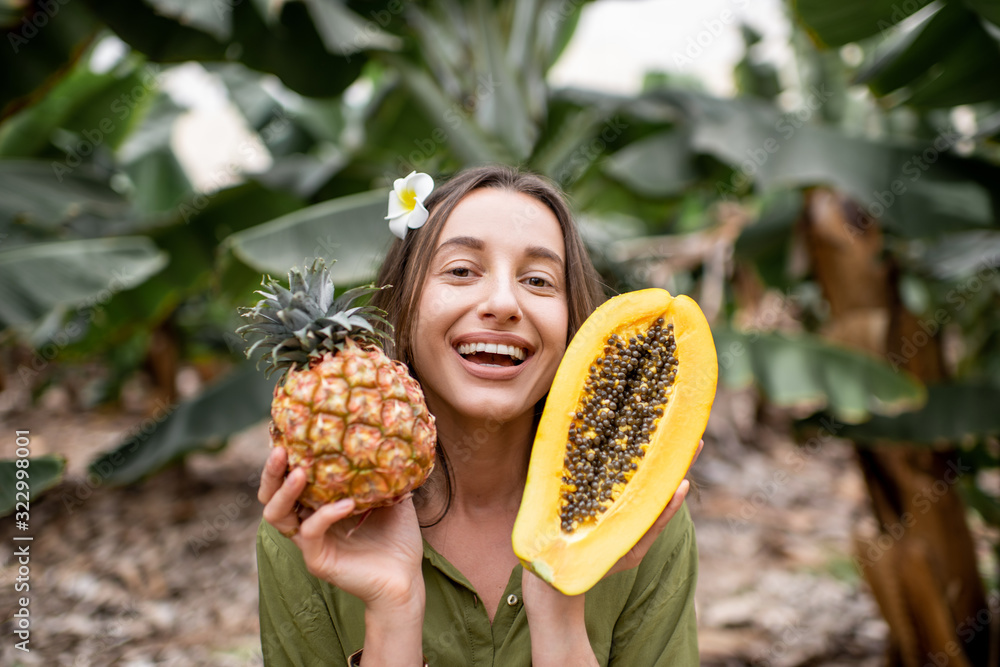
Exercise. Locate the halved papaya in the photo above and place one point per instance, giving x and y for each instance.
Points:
(621, 425)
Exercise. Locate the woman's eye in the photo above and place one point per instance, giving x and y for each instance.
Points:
(460, 272)
(535, 281)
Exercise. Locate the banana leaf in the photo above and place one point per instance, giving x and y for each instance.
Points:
(806, 373)
(37, 45)
(43, 473)
(920, 58)
(35, 193)
(350, 230)
(286, 42)
(953, 414)
(240, 399)
(839, 23)
(38, 278)
(660, 166)
(917, 189)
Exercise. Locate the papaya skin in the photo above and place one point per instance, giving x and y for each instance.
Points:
(573, 562)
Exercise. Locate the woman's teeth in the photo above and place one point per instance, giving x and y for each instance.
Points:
(512, 351)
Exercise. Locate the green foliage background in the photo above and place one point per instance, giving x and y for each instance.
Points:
(105, 239)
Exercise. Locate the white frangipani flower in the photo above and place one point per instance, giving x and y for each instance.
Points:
(406, 203)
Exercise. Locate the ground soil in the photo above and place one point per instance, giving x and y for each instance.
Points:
(163, 572)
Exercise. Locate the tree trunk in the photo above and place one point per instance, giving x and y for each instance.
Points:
(921, 564)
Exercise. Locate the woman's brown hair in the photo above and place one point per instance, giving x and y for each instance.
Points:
(407, 262)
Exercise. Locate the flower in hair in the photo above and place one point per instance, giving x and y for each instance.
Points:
(406, 203)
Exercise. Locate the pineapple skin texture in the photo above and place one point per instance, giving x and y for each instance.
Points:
(357, 423)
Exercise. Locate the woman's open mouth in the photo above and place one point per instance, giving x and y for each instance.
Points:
(492, 354)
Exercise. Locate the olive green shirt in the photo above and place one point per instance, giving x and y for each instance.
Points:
(638, 618)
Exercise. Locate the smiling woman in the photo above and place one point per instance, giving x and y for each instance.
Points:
(489, 284)
(488, 292)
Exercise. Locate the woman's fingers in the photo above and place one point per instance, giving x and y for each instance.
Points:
(675, 503)
(312, 533)
(666, 515)
(273, 474)
(315, 526)
(697, 453)
(636, 553)
(280, 509)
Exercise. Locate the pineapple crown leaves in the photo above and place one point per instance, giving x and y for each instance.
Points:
(291, 325)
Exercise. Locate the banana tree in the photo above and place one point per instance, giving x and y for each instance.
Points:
(904, 263)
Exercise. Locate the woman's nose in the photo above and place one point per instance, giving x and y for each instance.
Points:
(500, 302)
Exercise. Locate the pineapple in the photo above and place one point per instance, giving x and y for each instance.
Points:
(354, 419)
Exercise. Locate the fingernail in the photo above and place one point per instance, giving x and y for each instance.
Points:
(343, 504)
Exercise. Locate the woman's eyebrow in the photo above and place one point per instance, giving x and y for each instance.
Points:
(541, 252)
(533, 252)
(466, 241)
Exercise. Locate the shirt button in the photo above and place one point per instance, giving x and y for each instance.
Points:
(511, 600)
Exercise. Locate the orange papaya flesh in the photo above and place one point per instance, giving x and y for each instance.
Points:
(621, 425)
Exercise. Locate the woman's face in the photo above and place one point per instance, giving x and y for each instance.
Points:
(492, 319)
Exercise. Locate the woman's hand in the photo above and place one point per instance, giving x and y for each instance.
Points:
(556, 621)
(377, 561)
(556, 624)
